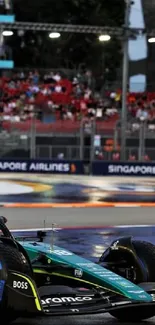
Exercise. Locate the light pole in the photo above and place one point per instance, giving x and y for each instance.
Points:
(125, 80)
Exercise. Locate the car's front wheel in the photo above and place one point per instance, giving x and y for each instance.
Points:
(146, 254)
(135, 315)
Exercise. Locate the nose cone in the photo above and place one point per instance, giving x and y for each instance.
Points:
(133, 291)
(138, 295)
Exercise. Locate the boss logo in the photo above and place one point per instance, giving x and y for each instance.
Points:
(20, 285)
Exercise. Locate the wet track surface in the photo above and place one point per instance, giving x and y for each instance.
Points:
(89, 320)
(90, 243)
(80, 320)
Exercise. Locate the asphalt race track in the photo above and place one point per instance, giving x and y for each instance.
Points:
(34, 218)
(81, 320)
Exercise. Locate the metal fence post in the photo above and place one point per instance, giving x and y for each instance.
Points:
(81, 140)
(92, 149)
(125, 80)
(115, 138)
(142, 140)
(33, 139)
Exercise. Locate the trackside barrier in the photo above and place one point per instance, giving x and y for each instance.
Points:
(42, 166)
(100, 168)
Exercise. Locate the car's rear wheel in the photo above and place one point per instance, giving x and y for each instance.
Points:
(14, 260)
(146, 253)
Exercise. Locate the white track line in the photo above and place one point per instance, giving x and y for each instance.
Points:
(35, 229)
(95, 227)
(134, 226)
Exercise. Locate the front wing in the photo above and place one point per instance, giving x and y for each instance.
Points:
(24, 298)
(87, 303)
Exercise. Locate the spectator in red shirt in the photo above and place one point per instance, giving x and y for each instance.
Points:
(146, 158)
(132, 158)
(116, 156)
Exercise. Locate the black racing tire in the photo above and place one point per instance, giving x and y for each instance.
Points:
(146, 252)
(14, 260)
(133, 315)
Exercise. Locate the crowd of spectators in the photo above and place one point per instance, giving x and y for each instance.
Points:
(115, 156)
(142, 110)
(51, 97)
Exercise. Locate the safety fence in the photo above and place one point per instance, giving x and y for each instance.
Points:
(86, 140)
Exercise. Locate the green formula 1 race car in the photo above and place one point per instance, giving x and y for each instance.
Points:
(41, 279)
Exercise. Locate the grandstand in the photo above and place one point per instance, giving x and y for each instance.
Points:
(56, 113)
(54, 106)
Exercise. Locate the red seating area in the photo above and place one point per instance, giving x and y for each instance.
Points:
(57, 127)
(59, 104)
